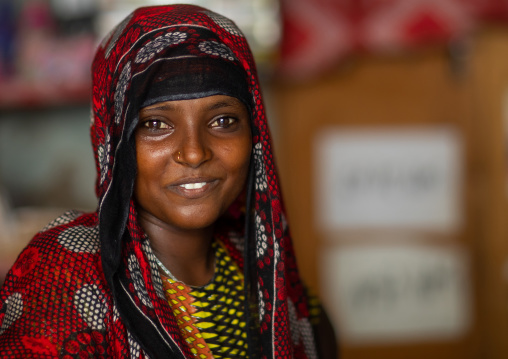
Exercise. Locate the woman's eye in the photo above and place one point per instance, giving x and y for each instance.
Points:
(223, 122)
(155, 125)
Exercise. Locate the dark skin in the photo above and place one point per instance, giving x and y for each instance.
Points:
(193, 158)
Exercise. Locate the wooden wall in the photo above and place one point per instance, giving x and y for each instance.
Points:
(464, 90)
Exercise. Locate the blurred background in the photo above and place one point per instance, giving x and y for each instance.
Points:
(389, 120)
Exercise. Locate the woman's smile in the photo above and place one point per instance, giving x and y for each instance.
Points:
(194, 188)
(193, 158)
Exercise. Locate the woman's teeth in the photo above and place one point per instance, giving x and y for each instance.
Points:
(193, 185)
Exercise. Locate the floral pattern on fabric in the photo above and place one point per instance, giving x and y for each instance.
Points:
(120, 91)
(54, 300)
(216, 49)
(155, 46)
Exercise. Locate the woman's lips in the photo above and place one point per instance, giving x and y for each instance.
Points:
(193, 185)
(194, 188)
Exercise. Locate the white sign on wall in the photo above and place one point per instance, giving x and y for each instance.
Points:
(397, 178)
(387, 294)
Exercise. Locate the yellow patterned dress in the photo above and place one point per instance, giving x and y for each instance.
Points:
(211, 317)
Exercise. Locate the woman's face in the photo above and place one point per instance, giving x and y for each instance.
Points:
(193, 158)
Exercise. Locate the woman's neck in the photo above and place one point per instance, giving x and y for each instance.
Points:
(187, 254)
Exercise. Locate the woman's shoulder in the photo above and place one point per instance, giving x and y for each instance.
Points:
(56, 281)
(75, 232)
(69, 245)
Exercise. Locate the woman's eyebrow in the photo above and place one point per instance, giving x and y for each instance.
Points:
(214, 106)
(162, 107)
(222, 104)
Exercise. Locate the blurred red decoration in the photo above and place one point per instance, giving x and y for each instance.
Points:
(317, 33)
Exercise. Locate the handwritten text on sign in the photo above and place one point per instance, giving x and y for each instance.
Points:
(407, 179)
(393, 293)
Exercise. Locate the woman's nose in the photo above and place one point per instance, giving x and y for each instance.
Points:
(193, 149)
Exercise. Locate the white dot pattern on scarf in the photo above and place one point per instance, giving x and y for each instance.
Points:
(65, 218)
(134, 347)
(262, 239)
(13, 312)
(224, 23)
(138, 281)
(261, 180)
(90, 303)
(80, 239)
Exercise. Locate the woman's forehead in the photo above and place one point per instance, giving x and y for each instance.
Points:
(209, 102)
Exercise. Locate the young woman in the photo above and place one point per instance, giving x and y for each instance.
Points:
(188, 254)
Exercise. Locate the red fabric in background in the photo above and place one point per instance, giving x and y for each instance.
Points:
(394, 24)
(318, 33)
(315, 34)
(491, 10)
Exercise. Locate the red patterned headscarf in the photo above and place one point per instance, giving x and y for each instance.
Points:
(124, 299)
